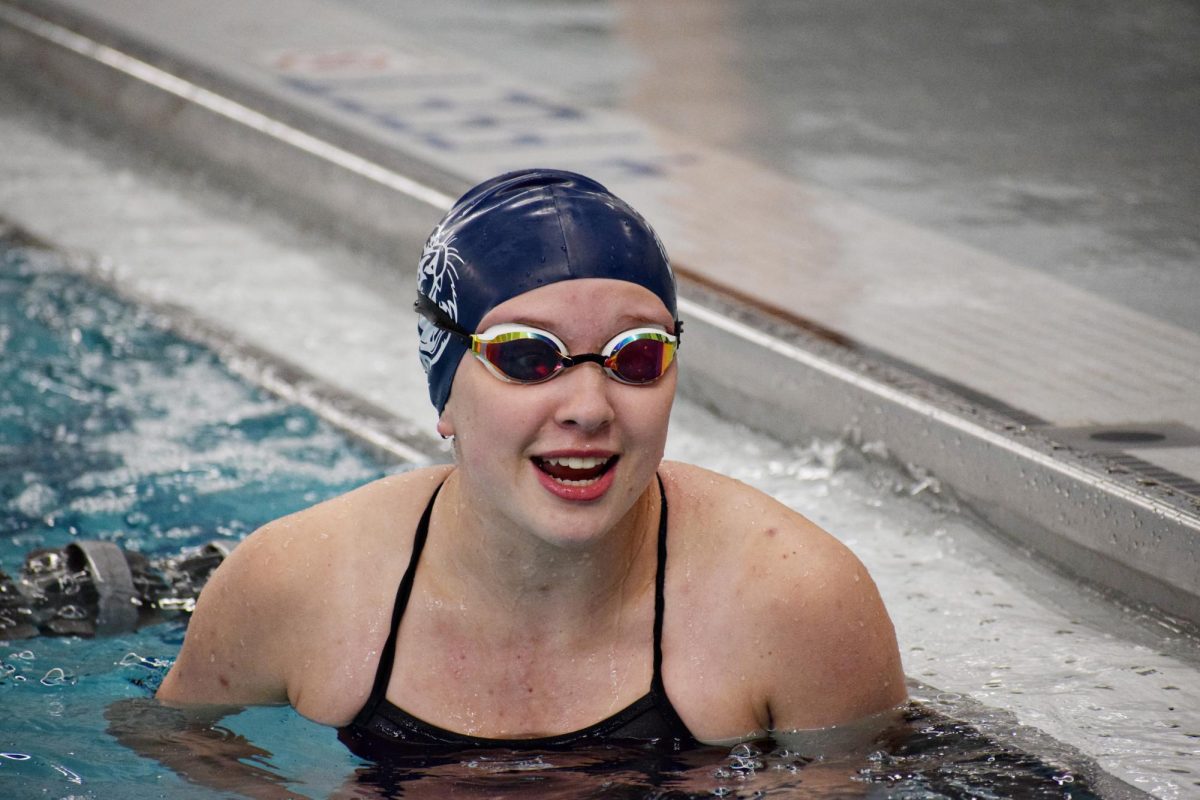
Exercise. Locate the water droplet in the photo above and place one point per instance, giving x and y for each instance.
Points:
(56, 676)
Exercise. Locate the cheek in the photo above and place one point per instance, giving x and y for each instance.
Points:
(663, 417)
(647, 415)
(492, 417)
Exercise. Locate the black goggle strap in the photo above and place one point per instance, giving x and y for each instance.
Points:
(433, 312)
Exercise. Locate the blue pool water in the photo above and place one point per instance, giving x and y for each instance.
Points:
(114, 428)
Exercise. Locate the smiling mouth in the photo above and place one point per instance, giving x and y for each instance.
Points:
(575, 470)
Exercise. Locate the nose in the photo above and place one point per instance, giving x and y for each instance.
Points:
(585, 403)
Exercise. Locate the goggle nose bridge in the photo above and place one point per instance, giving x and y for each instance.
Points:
(583, 358)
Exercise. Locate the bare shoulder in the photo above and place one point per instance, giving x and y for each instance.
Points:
(789, 598)
(335, 538)
(736, 521)
(301, 587)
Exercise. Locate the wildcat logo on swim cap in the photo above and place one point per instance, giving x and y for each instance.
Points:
(437, 277)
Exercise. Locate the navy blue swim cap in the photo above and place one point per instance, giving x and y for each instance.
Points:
(517, 232)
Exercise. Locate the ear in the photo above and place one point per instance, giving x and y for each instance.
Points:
(445, 424)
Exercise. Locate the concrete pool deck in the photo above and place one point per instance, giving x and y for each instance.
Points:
(1069, 420)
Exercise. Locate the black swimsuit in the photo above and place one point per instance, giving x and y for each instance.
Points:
(381, 729)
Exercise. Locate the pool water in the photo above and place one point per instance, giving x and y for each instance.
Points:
(114, 428)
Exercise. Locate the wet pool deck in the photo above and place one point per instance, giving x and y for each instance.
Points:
(1069, 419)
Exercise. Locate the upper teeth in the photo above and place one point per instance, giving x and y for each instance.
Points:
(574, 462)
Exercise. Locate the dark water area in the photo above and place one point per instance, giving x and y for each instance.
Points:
(927, 755)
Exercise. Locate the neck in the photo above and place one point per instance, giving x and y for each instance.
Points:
(491, 569)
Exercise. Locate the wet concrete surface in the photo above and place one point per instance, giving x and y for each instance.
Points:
(1056, 135)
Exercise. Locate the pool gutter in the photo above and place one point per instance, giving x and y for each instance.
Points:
(1075, 508)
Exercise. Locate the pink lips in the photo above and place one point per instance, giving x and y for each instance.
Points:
(573, 493)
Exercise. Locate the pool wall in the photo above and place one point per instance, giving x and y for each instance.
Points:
(1109, 526)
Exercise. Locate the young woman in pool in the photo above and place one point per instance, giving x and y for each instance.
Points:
(559, 583)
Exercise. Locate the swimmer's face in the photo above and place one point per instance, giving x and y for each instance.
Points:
(566, 458)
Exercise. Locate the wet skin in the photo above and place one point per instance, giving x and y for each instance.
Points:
(502, 430)
(532, 610)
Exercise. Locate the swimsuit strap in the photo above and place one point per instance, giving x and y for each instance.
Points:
(383, 673)
(660, 584)
(387, 657)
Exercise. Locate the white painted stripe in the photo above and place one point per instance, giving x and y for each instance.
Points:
(916, 405)
(230, 109)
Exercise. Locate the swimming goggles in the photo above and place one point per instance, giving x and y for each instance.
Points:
(521, 354)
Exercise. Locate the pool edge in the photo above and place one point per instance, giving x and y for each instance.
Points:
(1072, 507)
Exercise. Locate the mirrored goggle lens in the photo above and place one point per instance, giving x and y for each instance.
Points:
(531, 356)
(522, 356)
(641, 357)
